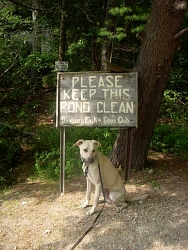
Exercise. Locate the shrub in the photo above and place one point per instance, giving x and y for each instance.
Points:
(47, 156)
(47, 165)
(174, 107)
(171, 135)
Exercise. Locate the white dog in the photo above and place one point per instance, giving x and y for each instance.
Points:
(114, 188)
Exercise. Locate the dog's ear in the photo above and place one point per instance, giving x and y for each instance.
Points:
(97, 143)
(78, 143)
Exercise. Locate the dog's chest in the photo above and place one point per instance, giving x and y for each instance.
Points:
(85, 169)
(92, 174)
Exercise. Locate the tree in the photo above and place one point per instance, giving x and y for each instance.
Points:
(62, 39)
(36, 44)
(159, 41)
(90, 30)
(110, 23)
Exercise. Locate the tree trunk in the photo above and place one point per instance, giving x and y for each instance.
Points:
(62, 42)
(110, 24)
(95, 54)
(153, 66)
(125, 42)
(36, 44)
(117, 155)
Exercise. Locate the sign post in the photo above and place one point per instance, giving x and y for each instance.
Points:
(61, 66)
(96, 99)
(62, 159)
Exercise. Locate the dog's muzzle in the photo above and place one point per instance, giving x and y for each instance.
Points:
(88, 161)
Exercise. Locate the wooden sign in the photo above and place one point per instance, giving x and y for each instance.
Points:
(61, 66)
(96, 99)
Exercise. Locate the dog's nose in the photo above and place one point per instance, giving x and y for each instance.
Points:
(90, 160)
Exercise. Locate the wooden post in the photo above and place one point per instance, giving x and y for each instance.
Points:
(62, 160)
(128, 156)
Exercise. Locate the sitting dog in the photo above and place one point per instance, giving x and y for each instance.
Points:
(113, 186)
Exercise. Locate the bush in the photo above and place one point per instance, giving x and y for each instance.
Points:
(47, 165)
(174, 107)
(10, 146)
(167, 138)
(171, 135)
(47, 138)
(161, 130)
(47, 157)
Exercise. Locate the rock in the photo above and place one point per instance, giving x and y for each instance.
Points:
(47, 231)
(141, 202)
(151, 171)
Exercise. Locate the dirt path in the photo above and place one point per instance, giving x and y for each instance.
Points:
(34, 216)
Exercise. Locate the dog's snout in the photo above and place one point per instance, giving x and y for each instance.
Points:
(90, 160)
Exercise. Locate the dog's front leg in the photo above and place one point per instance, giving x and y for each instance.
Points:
(88, 194)
(96, 199)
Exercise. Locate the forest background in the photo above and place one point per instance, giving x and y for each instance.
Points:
(34, 36)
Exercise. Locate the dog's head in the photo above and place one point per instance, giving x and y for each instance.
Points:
(88, 151)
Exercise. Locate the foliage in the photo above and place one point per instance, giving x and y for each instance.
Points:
(9, 145)
(174, 107)
(47, 164)
(10, 148)
(130, 21)
(47, 138)
(49, 81)
(171, 130)
(179, 74)
(20, 98)
(171, 139)
(172, 135)
(41, 61)
(47, 150)
(155, 184)
(135, 14)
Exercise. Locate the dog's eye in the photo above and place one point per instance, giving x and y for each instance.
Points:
(85, 150)
(93, 151)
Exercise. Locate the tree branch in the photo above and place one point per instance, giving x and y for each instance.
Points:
(114, 67)
(179, 34)
(10, 65)
(85, 12)
(29, 6)
(180, 5)
(18, 129)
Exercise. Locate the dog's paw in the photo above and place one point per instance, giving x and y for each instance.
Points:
(90, 212)
(84, 205)
(121, 207)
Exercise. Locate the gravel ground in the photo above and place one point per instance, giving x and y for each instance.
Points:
(34, 215)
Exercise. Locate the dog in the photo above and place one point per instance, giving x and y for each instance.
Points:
(113, 187)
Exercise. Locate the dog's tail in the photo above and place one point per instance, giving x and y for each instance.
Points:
(137, 198)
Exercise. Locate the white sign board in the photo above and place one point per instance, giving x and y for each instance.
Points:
(61, 66)
(96, 99)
